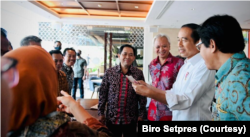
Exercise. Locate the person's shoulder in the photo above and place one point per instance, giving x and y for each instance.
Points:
(242, 70)
(81, 129)
(135, 69)
(178, 60)
(243, 64)
(62, 73)
(113, 68)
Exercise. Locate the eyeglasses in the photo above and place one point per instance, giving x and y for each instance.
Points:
(9, 72)
(198, 46)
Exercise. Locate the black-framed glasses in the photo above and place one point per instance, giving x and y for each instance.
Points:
(198, 46)
(9, 71)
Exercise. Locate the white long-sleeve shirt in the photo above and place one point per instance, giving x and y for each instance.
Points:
(191, 95)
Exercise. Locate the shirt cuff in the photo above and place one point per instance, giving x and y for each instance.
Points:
(171, 99)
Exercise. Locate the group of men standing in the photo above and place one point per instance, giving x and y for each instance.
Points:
(71, 69)
(211, 84)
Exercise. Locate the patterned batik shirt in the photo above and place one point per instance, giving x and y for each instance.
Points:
(163, 77)
(112, 94)
(63, 83)
(70, 75)
(232, 91)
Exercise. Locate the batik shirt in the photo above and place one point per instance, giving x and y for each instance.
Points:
(70, 75)
(59, 124)
(112, 94)
(163, 77)
(232, 95)
(63, 83)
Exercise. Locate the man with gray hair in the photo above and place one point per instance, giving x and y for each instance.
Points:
(163, 70)
(31, 40)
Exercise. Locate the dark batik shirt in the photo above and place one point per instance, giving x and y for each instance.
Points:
(70, 75)
(63, 83)
(111, 93)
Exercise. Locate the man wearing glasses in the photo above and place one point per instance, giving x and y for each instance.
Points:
(222, 46)
(191, 95)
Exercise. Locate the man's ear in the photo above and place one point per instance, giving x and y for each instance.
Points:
(213, 46)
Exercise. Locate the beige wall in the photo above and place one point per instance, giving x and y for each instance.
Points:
(172, 34)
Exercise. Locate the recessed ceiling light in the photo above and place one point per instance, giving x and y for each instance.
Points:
(136, 7)
(99, 5)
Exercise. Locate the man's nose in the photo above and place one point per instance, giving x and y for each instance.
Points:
(180, 44)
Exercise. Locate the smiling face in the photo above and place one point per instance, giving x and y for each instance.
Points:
(162, 47)
(58, 59)
(69, 58)
(127, 57)
(186, 45)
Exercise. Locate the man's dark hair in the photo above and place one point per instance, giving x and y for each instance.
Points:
(194, 28)
(10, 45)
(26, 41)
(225, 31)
(3, 32)
(66, 49)
(55, 52)
(129, 46)
(58, 41)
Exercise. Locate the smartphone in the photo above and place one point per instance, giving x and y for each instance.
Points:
(130, 78)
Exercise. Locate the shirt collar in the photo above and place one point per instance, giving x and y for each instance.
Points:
(66, 66)
(229, 65)
(193, 60)
(119, 69)
(169, 59)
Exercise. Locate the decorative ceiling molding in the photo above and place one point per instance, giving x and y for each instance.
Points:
(164, 9)
(116, 8)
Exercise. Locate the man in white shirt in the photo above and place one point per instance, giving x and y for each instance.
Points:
(191, 95)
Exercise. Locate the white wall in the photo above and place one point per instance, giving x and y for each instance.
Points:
(19, 22)
(149, 53)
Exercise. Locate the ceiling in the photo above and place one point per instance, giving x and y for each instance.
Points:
(158, 13)
(110, 8)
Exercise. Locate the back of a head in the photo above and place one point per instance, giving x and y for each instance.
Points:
(55, 52)
(31, 40)
(129, 46)
(194, 28)
(35, 94)
(3, 32)
(4, 42)
(225, 31)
